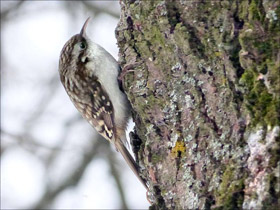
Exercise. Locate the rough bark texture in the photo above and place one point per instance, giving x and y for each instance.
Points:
(203, 81)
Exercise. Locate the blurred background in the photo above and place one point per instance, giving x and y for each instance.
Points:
(51, 157)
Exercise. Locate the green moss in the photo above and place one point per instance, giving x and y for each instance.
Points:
(151, 44)
(143, 48)
(273, 76)
(275, 154)
(156, 158)
(261, 69)
(243, 9)
(264, 47)
(194, 44)
(256, 10)
(248, 77)
(273, 200)
(155, 36)
(230, 194)
(263, 106)
(180, 34)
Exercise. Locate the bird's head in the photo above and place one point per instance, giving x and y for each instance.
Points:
(75, 53)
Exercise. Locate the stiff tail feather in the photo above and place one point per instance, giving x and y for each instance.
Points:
(130, 161)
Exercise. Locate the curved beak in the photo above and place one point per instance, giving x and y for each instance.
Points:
(83, 31)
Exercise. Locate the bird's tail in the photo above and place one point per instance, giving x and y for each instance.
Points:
(130, 161)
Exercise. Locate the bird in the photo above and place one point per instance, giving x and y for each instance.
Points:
(89, 75)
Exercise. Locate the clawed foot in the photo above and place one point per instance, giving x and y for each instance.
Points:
(128, 68)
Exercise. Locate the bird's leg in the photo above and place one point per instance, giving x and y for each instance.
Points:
(127, 68)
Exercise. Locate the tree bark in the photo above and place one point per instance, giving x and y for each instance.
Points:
(203, 81)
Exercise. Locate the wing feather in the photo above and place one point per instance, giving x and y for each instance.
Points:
(94, 104)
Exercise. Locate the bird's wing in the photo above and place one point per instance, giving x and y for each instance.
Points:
(102, 112)
(94, 104)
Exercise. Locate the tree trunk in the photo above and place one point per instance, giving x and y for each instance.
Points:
(203, 81)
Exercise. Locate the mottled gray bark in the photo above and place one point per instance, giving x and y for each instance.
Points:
(203, 81)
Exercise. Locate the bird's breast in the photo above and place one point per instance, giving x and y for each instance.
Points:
(107, 73)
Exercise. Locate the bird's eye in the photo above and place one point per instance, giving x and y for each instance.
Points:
(82, 45)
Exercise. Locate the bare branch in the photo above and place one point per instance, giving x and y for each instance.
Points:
(13, 9)
(74, 178)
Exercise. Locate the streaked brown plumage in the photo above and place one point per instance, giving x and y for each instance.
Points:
(89, 75)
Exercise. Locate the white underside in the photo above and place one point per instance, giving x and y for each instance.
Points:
(105, 67)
